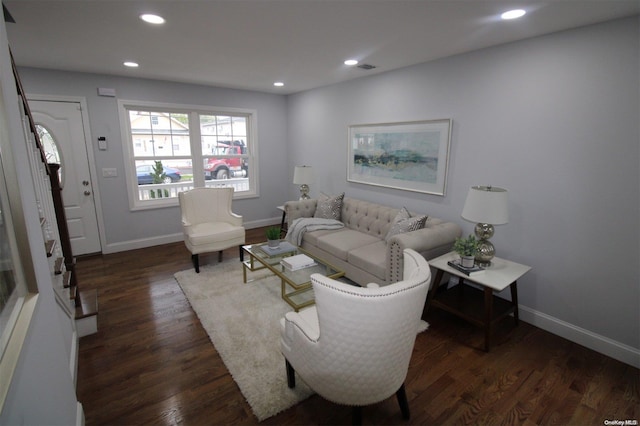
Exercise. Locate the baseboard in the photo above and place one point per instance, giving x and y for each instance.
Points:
(174, 238)
(79, 414)
(141, 243)
(581, 336)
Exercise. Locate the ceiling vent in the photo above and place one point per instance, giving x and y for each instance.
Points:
(366, 66)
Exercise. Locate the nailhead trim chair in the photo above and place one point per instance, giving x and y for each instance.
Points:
(208, 223)
(354, 346)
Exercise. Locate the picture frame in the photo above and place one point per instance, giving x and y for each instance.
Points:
(411, 156)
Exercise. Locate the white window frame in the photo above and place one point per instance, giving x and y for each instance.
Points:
(196, 157)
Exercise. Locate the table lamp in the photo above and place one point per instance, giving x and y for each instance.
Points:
(486, 206)
(303, 176)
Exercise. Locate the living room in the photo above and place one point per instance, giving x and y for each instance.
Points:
(554, 119)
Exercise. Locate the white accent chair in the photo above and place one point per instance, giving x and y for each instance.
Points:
(354, 346)
(208, 222)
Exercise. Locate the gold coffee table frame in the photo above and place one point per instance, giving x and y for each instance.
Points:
(299, 281)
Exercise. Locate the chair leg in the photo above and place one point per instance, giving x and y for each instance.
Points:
(401, 395)
(291, 375)
(241, 254)
(220, 256)
(196, 262)
(356, 418)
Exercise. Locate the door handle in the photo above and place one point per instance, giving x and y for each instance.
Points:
(85, 182)
(87, 193)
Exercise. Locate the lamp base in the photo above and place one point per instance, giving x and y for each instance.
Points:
(304, 192)
(486, 250)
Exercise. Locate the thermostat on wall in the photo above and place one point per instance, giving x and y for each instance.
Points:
(102, 143)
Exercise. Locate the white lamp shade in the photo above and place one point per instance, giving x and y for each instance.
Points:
(303, 175)
(486, 204)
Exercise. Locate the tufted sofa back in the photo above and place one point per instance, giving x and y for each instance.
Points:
(370, 218)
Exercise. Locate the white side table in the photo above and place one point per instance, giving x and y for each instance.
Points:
(465, 301)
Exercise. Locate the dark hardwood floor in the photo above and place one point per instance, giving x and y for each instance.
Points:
(152, 363)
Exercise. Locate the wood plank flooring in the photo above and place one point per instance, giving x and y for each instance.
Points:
(152, 363)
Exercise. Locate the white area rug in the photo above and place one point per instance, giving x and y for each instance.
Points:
(242, 321)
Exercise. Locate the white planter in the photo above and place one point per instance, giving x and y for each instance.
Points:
(273, 243)
(467, 261)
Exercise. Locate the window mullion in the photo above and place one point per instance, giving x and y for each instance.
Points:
(195, 138)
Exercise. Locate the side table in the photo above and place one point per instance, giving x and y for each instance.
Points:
(465, 301)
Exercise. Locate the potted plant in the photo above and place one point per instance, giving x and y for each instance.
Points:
(467, 248)
(273, 236)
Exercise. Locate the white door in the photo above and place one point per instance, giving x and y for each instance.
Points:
(61, 123)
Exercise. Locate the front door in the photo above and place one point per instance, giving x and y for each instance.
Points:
(62, 132)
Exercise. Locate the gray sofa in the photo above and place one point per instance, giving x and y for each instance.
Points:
(360, 248)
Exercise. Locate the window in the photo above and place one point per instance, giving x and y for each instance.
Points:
(174, 148)
(51, 150)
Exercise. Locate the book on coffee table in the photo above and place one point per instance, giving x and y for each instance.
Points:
(284, 247)
(299, 261)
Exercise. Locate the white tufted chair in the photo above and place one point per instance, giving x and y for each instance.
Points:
(208, 222)
(354, 346)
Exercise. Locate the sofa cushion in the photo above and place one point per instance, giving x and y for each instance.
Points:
(371, 258)
(403, 214)
(311, 237)
(339, 243)
(329, 207)
(404, 222)
(214, 232)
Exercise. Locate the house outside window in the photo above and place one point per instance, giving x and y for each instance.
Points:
(173, 148)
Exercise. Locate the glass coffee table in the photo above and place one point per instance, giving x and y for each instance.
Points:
(296, 285)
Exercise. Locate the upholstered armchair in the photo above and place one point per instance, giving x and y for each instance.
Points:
(208, 223)
(354, 346)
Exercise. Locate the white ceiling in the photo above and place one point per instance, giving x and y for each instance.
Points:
(249, 44)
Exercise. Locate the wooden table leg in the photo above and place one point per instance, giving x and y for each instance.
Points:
(283, 227)
(488, 315)
(432, 292)
(514, 300)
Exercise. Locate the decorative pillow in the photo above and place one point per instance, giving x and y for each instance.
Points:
(404, 222)
(329, 207)
(402, 215)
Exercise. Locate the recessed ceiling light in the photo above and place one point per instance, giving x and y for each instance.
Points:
(278, 84)
(131, 64)
(351, 62)
(152, 19)
(513, 14)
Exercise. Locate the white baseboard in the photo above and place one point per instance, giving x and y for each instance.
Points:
(79, 414)
(174, 238)
(581, 336)
(142, 243)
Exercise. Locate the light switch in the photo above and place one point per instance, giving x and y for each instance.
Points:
(109, 172)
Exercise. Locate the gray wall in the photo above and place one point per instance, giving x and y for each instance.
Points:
(553, 119)
(124, 228)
